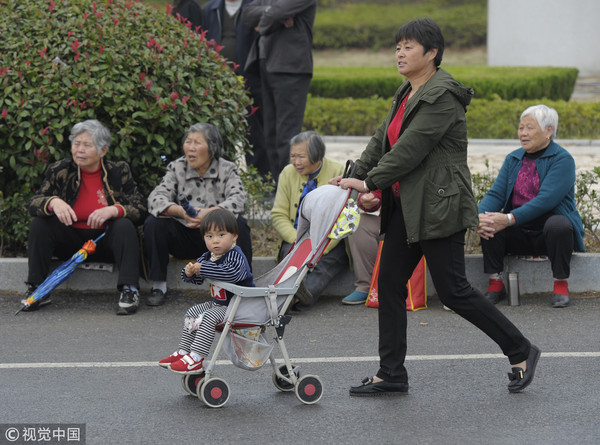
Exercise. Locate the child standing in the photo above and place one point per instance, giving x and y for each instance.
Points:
(223, 261)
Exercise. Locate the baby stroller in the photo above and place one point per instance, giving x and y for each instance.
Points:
(254, 309)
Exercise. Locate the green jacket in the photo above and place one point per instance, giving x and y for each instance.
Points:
(429, 160)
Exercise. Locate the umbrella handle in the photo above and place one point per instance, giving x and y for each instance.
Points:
(100, 237)
(90, 246)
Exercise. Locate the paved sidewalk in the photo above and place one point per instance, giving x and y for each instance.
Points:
(585, 152)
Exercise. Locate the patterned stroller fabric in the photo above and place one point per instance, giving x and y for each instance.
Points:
(347, 222)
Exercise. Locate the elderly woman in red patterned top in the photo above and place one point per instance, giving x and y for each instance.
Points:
(80, 197)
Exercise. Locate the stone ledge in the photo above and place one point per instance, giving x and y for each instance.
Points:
(533, 276)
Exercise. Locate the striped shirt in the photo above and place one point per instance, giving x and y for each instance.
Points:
(232, 267)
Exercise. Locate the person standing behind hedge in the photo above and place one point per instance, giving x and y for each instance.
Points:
(530, 209)
(78, 199)
(207, 182)
(223, 24)
(284, 54)
(190, 10)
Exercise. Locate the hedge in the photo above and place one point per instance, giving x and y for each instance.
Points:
(487, 119)
(489, 82)
(373, 26)
(136, 69)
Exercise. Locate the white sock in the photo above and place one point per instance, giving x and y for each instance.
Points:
(496, 276)
(160, 285)
(195, 356)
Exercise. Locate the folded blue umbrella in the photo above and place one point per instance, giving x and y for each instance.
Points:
(62, 273)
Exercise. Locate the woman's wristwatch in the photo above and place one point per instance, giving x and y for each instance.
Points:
(511, 219)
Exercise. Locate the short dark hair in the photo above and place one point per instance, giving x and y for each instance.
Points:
(219, 219)
(425, 31)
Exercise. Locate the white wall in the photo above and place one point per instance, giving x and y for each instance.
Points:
(562, 33)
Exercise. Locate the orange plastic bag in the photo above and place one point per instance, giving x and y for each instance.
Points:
(417, 285)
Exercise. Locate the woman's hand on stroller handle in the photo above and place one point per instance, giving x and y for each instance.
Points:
(349, 183)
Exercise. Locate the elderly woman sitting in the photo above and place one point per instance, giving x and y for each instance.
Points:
(78, 199)
(308, 169)
(208, 182)
(531, 208)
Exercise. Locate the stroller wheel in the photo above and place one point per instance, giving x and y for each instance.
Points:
(190, 383)
(284, 385)
(213, 392)
(309, 389)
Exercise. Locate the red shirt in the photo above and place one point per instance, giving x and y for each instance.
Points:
(393, 134)
(91, 197)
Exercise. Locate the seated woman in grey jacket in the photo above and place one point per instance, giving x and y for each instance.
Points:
(207, 182)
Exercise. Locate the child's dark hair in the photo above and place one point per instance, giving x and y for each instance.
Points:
(219, 219)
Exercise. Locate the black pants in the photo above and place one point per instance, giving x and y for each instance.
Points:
(259, 157)
(164, 236)
(49, 237)
(284, 101)
(554, 239)
(446, 262)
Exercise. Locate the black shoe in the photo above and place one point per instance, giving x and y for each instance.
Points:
(520, 379)
(560, 300)
(44, 301)
(495, 297)
(156, 298)
(128, 302)
(383, 388)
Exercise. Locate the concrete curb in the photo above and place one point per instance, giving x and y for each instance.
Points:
(534, 276)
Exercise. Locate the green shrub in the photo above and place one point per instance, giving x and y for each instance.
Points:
(488, 82)
(133, 67)
(373, 26)
(498, 119)
(352, 117)
(588, 202)
(487, 119)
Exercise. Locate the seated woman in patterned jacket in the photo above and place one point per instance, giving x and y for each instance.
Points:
(79, 198)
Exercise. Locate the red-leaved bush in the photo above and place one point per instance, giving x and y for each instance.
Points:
(137, 69)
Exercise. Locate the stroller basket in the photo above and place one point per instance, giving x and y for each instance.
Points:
(247, 348)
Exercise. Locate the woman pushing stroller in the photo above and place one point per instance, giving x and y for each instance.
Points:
(224, 261)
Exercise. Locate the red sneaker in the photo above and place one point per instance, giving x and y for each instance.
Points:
(187, 365)
(166, 362)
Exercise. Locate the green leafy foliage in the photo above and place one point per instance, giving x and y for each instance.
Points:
(588, 203)
(488, 82)
(373, 26)
(486, 119)
(133, 67)
(14, 222)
